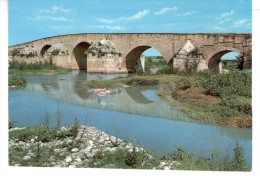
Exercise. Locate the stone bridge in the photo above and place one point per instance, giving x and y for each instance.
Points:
(72, 51)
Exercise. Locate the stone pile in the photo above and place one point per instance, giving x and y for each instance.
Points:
(75, 152)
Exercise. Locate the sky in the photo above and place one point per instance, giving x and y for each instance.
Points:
(34, 19)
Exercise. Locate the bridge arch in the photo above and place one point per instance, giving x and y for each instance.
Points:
(79, 54)
(44, 49)
(214, 58)
(133, 55)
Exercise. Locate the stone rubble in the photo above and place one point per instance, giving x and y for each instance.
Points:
(77, 152)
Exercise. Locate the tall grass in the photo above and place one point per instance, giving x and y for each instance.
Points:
(32, 66)
(234, 83)
(16, 81)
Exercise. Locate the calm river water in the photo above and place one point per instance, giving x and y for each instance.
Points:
(135, 114)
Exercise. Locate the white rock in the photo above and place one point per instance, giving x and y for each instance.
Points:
(56, 150)
(68, 159)
(90, 155)
(72, 166)
(74, 150)
(166, 168)
(26, 158)
(78, 159)
(86, 150)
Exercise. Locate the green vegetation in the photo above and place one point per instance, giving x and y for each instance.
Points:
(223, 99)
(190, 161)
(157, 63)
(124, 159)
(16, 81)
(22, 68)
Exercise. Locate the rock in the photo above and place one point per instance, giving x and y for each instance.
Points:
(68, 159)
(166, 168)
(26, 158)
(72, 166)
(57, 150)
(162, 164)
(31, 154)
(90, 155)
(21, 143)
(74, 150)
(86, 150)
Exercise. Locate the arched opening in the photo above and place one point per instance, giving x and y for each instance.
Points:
(44, 49)
(226, 60)
(231, 61)
(79, 53)
(142, 58)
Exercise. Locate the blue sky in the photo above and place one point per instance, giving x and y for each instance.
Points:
(31, 19)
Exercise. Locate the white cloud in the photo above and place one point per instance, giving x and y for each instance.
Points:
(240, 23)
(55, 9)
(113, 28)
(63, 27)
(186, 14)
(139, 15)
(165, 10)
(225, 20)
(225, 15)
(51, 18)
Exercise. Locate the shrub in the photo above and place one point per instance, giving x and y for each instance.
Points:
(10, 124)
(16, 81)
(55, 52)
(183, 84)
(122, 158)
(238, 103)
(239, 163)
(234, 83)
(166, 69)
(31, 66)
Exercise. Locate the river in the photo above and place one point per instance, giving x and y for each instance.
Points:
(130, 113)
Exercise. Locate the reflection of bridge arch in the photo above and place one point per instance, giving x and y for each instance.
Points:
(79, 54)
(214, 58)
(136, 95)
(133, 55)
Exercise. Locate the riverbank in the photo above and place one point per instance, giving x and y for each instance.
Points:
(16, 68)
(77, 146)
(58, 70)
(87, 147)
(190, 94)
